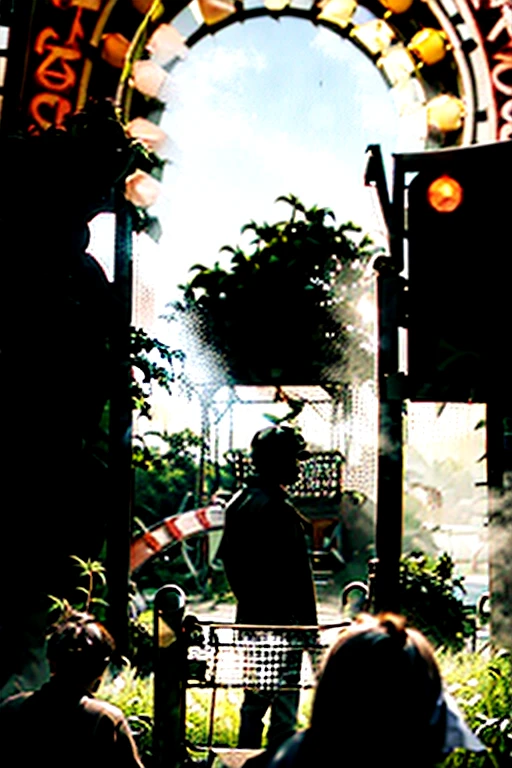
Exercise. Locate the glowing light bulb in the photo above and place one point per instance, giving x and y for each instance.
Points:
(445, 113)
(141, 189)
(276, 5)
(429, 45)
(150, 136)
(338, 11)
(396, 6)
(445, 194)
(166, 44)
(114, 48)
(214, 11)
(151, 80)
(376, 35)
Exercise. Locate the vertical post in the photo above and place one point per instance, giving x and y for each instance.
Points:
(388, 533)
(120, 437)
(499, 466)
(389, 520)
(169, 659)
(206, 401)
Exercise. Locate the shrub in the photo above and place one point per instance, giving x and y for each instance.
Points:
(481, 684)
(429, 600)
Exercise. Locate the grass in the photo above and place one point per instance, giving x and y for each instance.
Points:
(480, 683)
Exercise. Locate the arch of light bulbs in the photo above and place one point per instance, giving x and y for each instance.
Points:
(429, 52)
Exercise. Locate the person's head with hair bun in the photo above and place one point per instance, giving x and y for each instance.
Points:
(377, 695)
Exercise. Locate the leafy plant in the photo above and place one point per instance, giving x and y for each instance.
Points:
(301, 280)
(165, 474)
(142, 347)
(93, 572)
(481, 684)
(429, 601)
(134, 696)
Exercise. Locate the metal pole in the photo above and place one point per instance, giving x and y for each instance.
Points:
(389, 517)
(388, 532)
(169, 678)
(120, 437)
(500, 519)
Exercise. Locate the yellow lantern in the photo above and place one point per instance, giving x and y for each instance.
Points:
(214, 11)
(396, 6)
(338, 11)
(429, 45)
(445, 113)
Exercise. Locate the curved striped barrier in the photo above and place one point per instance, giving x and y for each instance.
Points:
(172, 530)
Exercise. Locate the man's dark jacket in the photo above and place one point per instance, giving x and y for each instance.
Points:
(266, 559)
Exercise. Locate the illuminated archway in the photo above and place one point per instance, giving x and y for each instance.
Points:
(436, 58)
(434, 63)
(448, 63)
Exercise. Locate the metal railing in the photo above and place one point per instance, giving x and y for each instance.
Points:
(203, 669)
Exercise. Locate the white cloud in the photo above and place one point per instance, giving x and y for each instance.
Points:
(332, 46)
(250, 128)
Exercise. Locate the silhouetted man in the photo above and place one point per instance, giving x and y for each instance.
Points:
(267, 565)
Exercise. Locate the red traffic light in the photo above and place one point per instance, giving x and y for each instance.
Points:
(445, 194)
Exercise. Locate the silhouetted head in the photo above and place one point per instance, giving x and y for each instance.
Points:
(377, 696)
(275, 453)
(79, 650)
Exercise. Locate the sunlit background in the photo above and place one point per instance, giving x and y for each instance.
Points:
(265, 109)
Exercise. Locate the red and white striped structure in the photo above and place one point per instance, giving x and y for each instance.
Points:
(172, 530)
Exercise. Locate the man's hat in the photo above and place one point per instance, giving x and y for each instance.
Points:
(278, 441)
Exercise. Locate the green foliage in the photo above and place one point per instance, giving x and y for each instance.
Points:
(429, 601)
(301, 281)
(482, 686)
(479, 683)
(141, 642)
(92, 572)
(226, 721)
(134, 696)
(166, 483)
(142, 347)
(165, 475)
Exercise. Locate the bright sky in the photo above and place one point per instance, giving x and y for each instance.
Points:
(260, 110)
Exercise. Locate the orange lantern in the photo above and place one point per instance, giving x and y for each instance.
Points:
(214, 11)
(445, 194)
(114, 48)
(396, 6)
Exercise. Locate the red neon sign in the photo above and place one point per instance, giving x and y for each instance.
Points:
(58, 54)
